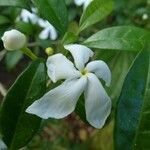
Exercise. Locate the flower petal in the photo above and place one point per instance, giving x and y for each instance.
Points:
(48, 30)
(27, 16)
(80, 53)
(97, 102)
(59, 67)
(44, 34)
(101, 69)
(60, 101)
(79, 2)
(86, 3)
(53, 32)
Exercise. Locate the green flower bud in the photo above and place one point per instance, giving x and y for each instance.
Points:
(49, 51)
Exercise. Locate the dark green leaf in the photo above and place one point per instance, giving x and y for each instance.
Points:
(80, 109)
(15, 3)
(130, 105)
(119, 38)
(119, 63)
(4, 20)
(26, 28)
(142, 139)
(12, 58)
(95, 12)
(17, 126)
(55, 12)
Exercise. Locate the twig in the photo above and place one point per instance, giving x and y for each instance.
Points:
(33, 44)
(3, 91)
(2, 54)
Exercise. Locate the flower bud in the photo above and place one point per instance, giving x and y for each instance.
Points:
(49, 51)
(14, 40)
(145, 16)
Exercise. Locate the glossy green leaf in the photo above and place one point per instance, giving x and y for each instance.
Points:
(142, 138)
(17, 126)
(130, 104)
(55, 12)
(119, 63)
(126, 38)
(12, 58)
(95, 12)
(15, 3)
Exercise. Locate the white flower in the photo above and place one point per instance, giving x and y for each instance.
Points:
(27, 16)
(85, 3)
(61, 101)
(48, 30)
(14, 40)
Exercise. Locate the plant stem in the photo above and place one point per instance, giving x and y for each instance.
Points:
(29, 53)
(2, 54)
(3, 91)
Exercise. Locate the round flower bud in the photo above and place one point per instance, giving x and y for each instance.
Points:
(49, 51)
(145, 16)
(14, 40)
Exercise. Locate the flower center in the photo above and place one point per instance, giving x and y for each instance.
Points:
(84, 72)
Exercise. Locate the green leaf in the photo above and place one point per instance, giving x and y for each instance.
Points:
(4, 20)
(15, 3)
(26, 28)
(69, 37)
(12, 58)
(17, 126)
(143, 133)
(55, 12)
(119, 63)
(125, 38)
(131, 103)
(95, 12)
(80, 109)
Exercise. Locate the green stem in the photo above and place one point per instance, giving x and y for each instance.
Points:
(29, 53)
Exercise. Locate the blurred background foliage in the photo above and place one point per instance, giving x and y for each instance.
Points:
(72, 133)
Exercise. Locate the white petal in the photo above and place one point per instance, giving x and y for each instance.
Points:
(86, 3)
(14, 40)
(53, 32)
(27, 16)
(59, 67)
(80, 53)
(97, 102)
(79, 2)
(49, 30)
(60, 101)
(101, 69)
(43, 23)
(44, 34)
